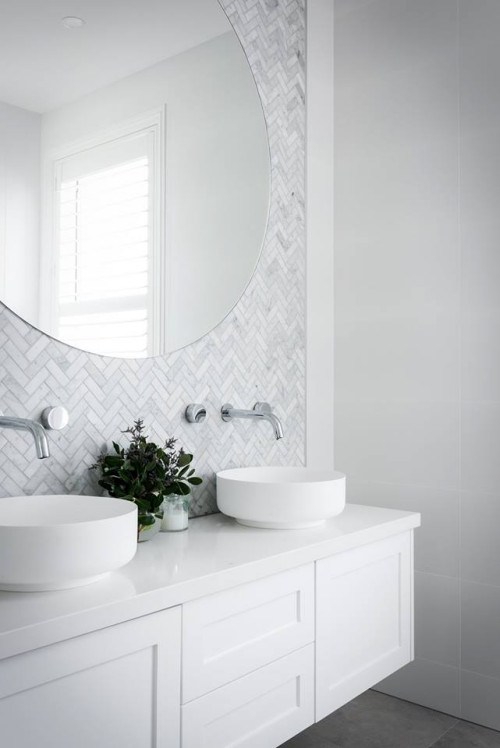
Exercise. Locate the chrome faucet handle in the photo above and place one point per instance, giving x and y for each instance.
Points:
(55, 417)
(226, 412)
(195, 413)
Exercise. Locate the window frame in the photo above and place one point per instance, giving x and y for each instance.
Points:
(154, 122)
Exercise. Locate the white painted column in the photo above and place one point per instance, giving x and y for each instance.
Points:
(319, 176)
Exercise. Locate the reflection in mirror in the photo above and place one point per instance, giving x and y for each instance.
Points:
(134, 170)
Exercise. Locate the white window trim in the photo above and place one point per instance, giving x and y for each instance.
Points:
(154, 120)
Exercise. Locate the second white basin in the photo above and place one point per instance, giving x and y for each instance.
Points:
(57, 542)
(281, 498)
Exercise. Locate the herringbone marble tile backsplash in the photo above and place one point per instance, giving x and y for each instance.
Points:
(256, 353)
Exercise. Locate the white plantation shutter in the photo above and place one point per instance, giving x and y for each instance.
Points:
(106, 246)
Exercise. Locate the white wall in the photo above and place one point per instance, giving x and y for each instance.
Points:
(19, 209)
(417, 333)
(319, 192)
(217, 171)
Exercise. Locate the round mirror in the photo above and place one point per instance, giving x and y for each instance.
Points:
(134, 170)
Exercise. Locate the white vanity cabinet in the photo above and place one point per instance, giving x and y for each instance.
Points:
(263, 661)
(364, 619)
(248, 663)
(281, 630)
(115, 688)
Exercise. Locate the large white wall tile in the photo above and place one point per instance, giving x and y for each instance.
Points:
(407, 96)
(480, 537)
(480, 427)
(480, 699)
(481, 354)
(480, 628)
(480, 228)
(479, 62)
(437, 540)
(381, 37)
(430, 684)
(405, 442)
(418, 315)
(480, 264)
(480, 179)
(395, 346)
(437, 618)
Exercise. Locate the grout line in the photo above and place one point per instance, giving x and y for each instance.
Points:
(414, 703)
(460, 357)
(444, 733)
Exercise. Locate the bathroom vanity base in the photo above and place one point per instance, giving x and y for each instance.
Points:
(115, 688)
(249, 653)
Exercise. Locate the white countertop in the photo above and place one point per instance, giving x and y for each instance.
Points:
(214, 554)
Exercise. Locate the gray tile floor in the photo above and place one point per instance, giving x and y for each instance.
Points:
(375, 720)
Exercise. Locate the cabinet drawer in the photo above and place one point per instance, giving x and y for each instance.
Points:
(231, 633)
(260, 710)
(364, 628)
(115, 687)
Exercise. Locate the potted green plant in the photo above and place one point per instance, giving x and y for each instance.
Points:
(145, 473)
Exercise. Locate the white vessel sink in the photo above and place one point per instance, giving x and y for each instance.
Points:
(57, 542)
(281, 498)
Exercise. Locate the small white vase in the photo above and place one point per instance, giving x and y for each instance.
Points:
(175, 514)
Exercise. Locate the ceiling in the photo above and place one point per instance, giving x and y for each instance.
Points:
(44, 65)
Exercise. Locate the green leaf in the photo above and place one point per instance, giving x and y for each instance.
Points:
(111, 461)
(145, 472)
(181, 489)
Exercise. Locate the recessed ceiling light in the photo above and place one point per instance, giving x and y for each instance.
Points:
(72, 22)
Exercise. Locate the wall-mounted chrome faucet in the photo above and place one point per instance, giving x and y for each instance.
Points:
(262, 411)
(54, 418)
(35, 428)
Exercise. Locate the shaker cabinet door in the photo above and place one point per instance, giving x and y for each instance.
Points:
(364, 623)
(118, 687)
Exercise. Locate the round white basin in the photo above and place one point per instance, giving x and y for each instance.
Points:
(281, 498)
(57, 542)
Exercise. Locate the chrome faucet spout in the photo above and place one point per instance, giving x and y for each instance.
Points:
(261, 411)
(276, 424)
(35, 429)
